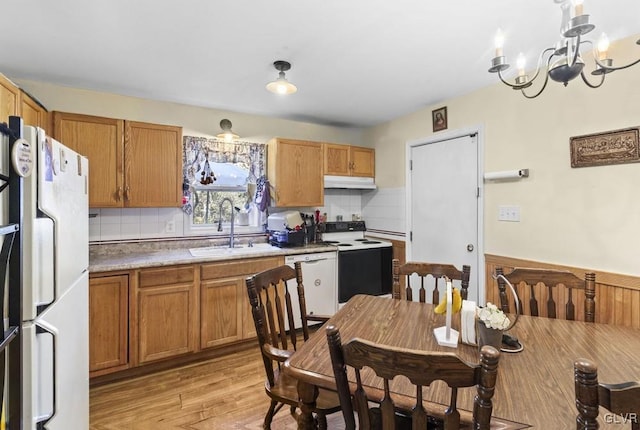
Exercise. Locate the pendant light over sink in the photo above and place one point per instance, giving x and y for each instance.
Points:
(227, 135)
(281, 85)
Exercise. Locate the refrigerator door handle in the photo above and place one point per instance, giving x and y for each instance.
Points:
(48, 378)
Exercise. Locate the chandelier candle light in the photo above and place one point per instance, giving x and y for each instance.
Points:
(563, 62)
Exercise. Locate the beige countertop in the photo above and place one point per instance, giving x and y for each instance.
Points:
(128, 256)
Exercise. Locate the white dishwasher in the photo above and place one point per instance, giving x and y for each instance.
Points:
(320, 279)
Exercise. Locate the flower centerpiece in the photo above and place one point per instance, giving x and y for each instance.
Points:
(492, 321)
(493, 317)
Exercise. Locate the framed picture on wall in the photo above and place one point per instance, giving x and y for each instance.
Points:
(439, 119)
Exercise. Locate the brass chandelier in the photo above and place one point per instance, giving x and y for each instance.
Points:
(563, 62)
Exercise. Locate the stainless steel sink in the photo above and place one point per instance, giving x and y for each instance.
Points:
(212, 251)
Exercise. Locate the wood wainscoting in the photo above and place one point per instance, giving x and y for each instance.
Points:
(617, 296)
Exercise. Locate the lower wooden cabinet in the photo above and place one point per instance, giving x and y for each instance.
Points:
(108, 324)
(143, 316)
(220, 316)
(225, 314)
(166, 313)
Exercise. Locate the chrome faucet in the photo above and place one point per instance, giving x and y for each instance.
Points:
(226, 199)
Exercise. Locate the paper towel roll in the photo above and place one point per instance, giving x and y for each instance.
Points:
(507, 174)
(468, 322)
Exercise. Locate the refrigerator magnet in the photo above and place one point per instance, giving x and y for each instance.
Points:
(22, 157)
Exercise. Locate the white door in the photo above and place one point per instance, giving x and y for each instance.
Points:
(443, 205)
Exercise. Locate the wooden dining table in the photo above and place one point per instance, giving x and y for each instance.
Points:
(534, 389)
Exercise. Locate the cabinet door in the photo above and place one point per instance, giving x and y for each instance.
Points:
(153, 165)
(167, 312)
(108, 323)
(222, 276)
(165, 322)
(298, 173)
(9, 99)
(100, 140)
(220, 312)
(33, 113)
(336, 159)
(363, 161)
(248, 325)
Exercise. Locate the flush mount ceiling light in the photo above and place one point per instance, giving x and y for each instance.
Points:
(564, 62)
(227, 135)
(281, 85)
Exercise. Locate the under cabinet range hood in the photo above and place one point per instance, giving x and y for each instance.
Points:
(351, 182)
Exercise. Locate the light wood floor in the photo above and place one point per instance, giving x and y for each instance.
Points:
(222, 393)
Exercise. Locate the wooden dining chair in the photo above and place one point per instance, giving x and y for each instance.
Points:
(271, 306)
(421, 368)
(425, 270)
(532, 283)
(623, 399)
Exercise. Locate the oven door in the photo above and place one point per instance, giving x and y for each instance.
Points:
(364, 271)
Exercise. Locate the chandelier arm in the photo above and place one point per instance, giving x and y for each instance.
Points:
(611, 68)
(576, 50)
(606, 67)
(514, 86)
(544, 84)
(538, 68)
(589, 84)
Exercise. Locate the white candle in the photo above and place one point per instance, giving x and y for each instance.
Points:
(499, 43)
(603, 47)
(521, 64)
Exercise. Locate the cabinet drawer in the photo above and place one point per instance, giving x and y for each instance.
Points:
(239, 267)
(165, 276)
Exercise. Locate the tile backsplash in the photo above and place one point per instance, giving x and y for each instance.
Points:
(382, 209)
(135, 223)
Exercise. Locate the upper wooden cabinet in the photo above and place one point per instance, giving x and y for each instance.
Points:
(152, 165)
(101, 141)
(295, 172)
(9, 99)
(131, 164)
(33, 113)
(348, 160)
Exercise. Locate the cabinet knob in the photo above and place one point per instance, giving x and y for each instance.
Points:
(126, 193)
(119, 194)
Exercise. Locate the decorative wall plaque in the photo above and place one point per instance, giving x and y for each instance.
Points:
(612, 147)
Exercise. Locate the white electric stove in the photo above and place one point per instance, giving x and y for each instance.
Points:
(364, 265)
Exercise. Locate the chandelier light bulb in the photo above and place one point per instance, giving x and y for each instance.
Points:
(499, 43)
(603, 47)
(577, 7)
(521, 64)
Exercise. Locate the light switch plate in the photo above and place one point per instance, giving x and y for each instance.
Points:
(509, 213)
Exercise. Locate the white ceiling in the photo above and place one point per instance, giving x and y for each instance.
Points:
(355, 62)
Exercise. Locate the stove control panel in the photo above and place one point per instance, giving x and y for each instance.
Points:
(342, 226)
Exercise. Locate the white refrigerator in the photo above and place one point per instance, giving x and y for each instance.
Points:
(55, 328)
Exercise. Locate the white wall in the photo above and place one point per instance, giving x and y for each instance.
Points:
(585, 217)
(195, 121)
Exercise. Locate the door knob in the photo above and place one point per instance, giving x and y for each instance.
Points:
(470, 247)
